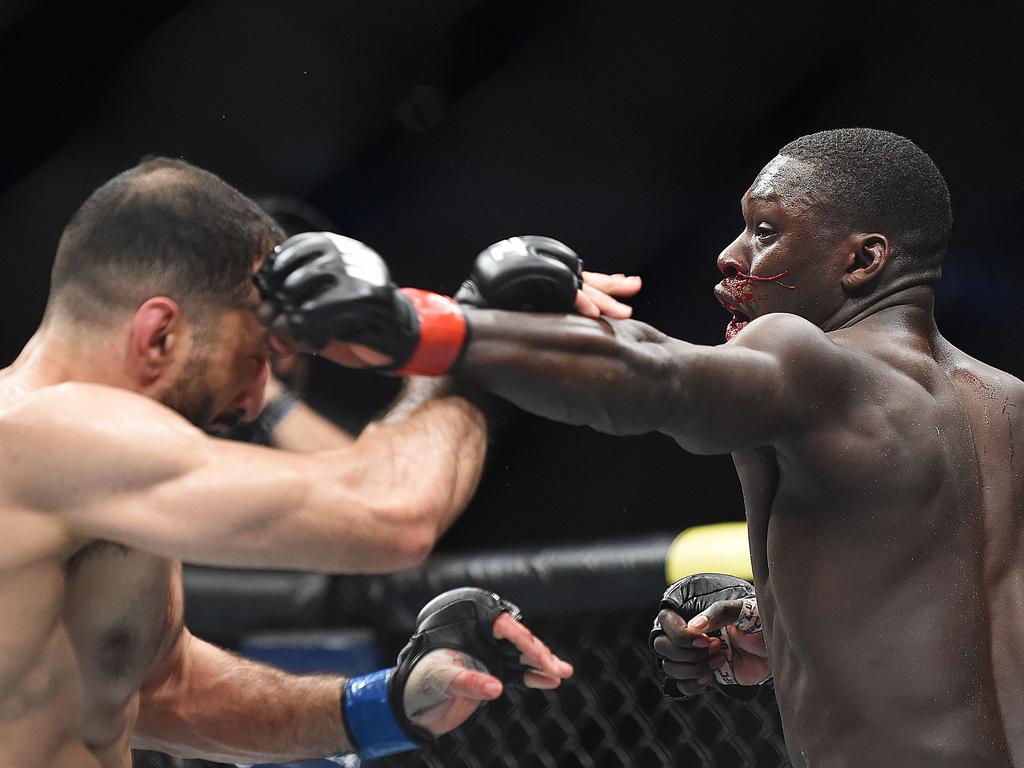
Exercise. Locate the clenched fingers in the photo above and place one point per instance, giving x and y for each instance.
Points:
(666, 649)
(680, 633)
(720, 614)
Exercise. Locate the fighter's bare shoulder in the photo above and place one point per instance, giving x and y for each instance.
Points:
(990, 375)
(78, 400)
(992, 384)
(74, 436)
(782, 330)
(792, 340)
(793, 367)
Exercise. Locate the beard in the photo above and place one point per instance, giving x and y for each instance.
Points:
(190, 394)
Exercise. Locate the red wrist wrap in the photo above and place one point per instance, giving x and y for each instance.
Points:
(442, 334)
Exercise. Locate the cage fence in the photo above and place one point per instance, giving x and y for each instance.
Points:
(592, 604)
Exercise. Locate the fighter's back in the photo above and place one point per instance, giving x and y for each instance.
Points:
(994, 401)
(873, 541)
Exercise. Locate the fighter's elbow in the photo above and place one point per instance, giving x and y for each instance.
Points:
(412, 547)
(405, 536)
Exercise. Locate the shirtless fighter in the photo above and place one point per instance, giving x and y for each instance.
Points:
(105, 486)
(877, 461)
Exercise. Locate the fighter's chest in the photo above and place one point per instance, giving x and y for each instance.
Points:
(758, 471)
(759, 478)
(118, 608)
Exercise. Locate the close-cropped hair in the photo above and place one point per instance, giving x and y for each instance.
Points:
(163, 227)
(877, 181)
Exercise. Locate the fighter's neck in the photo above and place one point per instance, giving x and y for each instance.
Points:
(54, 356)
(907, 306)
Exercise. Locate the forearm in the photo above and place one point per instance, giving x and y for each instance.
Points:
(434, 438)
(378, 505)
(218, 706)
(303, 430)
(615, 376)
(287, 422)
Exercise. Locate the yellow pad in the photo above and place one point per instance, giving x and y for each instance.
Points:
(717, 548)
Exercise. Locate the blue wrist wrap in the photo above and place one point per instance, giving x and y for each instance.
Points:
(369, 718)
(274, 412)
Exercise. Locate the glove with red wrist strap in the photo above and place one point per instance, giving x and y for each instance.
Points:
(319, 287)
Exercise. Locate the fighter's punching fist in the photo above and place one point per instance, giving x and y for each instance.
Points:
(708, 629)
(540, 274)
(467, 643)
(321, 287)
(526, 273)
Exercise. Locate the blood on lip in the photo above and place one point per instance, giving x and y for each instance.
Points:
(739, 286)
(734, 327)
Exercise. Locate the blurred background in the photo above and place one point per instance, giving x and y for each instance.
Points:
(430, 130)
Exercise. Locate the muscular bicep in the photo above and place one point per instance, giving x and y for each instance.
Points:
(625, 377)
(121, 468)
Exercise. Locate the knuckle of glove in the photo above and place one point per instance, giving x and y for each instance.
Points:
(695, 594)
(524, 273)
(555, 249)
(323, 286)
(291, 255)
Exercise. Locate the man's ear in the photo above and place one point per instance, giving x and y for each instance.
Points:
(157, 338)
(866, 258)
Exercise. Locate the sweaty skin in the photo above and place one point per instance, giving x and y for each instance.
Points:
(878, 463)
(103, 492)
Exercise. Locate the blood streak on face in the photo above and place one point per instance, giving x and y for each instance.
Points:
(740, 287)
(773, 279)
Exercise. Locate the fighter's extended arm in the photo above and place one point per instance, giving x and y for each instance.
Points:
(625, 377)
(117, 466)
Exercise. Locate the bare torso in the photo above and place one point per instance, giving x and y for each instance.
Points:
(83, 623)
(885, 544)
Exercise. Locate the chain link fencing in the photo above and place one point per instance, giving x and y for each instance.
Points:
(610, 714)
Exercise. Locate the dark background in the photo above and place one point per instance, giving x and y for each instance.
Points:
(431, 129)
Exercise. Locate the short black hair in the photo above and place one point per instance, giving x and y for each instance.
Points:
(882, 182)
(164, 227)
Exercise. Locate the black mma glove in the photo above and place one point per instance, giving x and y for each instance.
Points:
(319, 287)
(460, 619)
(695, 594)
(528, 273)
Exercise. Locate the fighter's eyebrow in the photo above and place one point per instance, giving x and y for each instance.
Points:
(763, 197)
